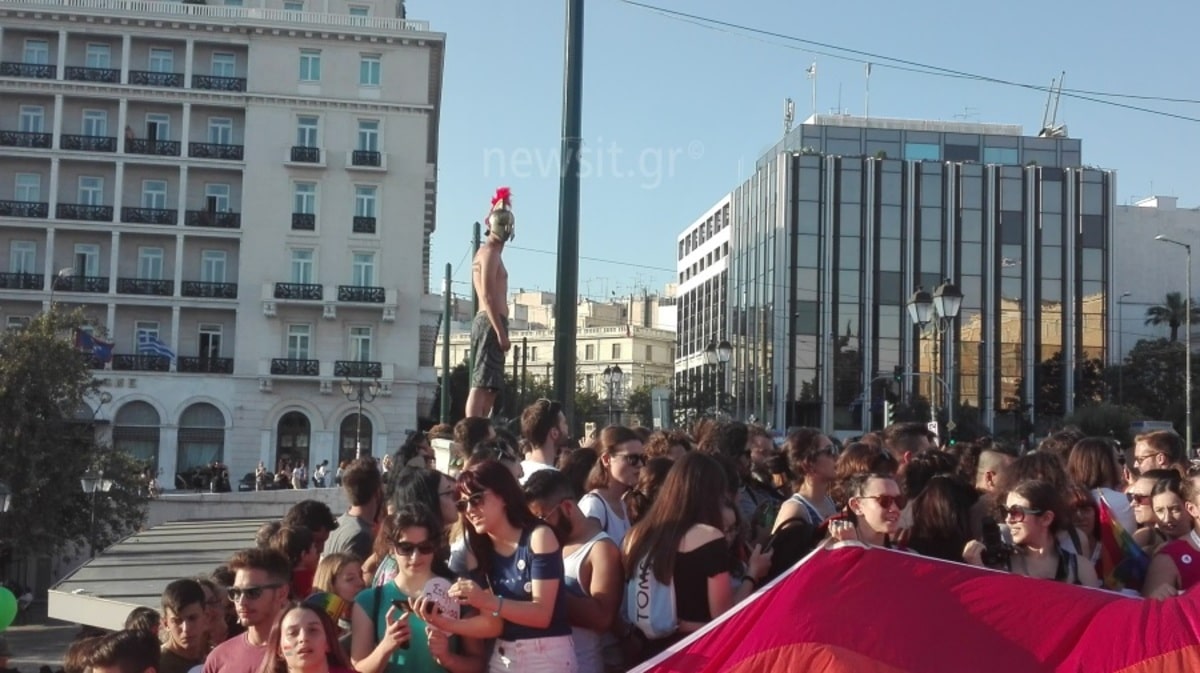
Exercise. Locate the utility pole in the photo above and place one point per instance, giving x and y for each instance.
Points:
(474, 300)
(568, 213)
(444, 415)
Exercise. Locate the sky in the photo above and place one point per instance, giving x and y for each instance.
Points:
(675, 113)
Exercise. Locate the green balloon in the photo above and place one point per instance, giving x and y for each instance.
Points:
(8, 608)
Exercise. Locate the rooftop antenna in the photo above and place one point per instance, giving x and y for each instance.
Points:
(968, 113)
(789, 115)
(1049, 128)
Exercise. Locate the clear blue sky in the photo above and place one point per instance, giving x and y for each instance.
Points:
(675, 114)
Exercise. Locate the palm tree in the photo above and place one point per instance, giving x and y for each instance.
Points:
(1172, 313)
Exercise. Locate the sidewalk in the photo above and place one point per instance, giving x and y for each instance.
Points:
(39, 641)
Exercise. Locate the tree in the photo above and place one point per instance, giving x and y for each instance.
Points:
(1172, 313)
(1105, 420)
(638, 403)
(1153, 378)
(46, 446)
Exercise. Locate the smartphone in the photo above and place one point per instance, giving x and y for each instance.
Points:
(403, 608)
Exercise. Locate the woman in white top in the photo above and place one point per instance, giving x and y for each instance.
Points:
(812, 460)
(617, 470)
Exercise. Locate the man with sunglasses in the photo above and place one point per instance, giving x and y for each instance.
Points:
(260, 590)
(544, 428)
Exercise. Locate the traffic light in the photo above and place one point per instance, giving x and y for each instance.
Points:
(889, 412)
(898, 374)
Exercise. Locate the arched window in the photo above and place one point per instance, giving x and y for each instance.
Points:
(201, 436)
(291, 445)
(355, 441)
(136, 432)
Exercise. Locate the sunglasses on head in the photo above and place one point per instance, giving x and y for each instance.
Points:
(250, 593)
(407, 548)
(1017, 514)
(473, 500)
(886, 501)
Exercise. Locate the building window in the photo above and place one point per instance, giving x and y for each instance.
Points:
(299, 339)
(922, 152)
(32, 119)
(533, 353)
(368, 135)
(310, 65)
(360, 11)
(37, 52)
(136, 432)
(158, 126)
(305, 200)
(362, 269)
(649, 353)
(210, 341)
(95, 122)
(1001, 155)
(293, 6)
(162, 59)
(22, 257)
(212, 266)
(360, 344)
(87, 259)
(91, 190)
(302, 265)
(589, 382)
(224, 64)
(150, 263)
(97, 55)
(144, 327)
(306, 131)
(368, 70)
(154, 194)
(364, 200)
(616, 351)
(201, 437)
(589, 352)
(216, 198)
(220, 130)
(28, 187)
(16, 322)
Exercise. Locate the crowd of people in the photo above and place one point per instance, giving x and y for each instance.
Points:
(541, 553)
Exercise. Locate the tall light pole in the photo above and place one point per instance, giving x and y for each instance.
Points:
(938, 310)
(612, 377)
(1121, 347)
(361, 392)
(724, 351)
(93, 482)
(1187, 335)
(711, 358)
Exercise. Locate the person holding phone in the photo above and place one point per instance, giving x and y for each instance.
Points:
(387, 635)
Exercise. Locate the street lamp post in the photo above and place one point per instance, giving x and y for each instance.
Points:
(711, 358)
(1121, 347)
(1187, 335)
(612, 377)
(93, 482)
(939, 311)
(360, 392)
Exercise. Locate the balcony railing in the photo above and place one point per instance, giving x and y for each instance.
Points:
(81, 211)
(98, 284)
(151, 286)
(149, 215)
(356, 369)
(26, 139)
(363, 293)
(306, 291)
(161, 148)
(306, 155)
(292, 367)
(88, 143)
(108, 75)
(205, 218)
(304, 221)
(215, 151)
(21, 281)
(34, 70)
(364, 225)
(205, 365)
(147, 78)
(141, 363)
(24, 209)
(196, 288)
(215, 83)
(366, 158)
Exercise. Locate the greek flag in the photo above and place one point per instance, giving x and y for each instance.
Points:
(148, 344)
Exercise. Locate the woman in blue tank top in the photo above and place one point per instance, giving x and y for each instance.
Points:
(516, 577)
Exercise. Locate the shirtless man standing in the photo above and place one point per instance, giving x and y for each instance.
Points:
(489, 330)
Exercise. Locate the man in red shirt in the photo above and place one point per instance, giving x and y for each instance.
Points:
(260, 590)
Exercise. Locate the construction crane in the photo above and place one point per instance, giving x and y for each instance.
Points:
(1050, 129)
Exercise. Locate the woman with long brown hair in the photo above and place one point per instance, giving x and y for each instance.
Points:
(304, 640)
(812, 460)
(621, 459)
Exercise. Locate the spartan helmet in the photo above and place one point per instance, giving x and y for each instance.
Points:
(501, 220)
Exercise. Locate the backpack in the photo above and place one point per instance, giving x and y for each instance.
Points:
(792, 541)
(650, 604)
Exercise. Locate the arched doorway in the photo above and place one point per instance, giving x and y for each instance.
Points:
(351, 437)
(291, 444)
(136, 432)
(201, 437)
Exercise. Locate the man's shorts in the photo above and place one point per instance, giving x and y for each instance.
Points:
(489, 359)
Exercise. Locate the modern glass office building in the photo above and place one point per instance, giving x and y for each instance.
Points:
(847, 217)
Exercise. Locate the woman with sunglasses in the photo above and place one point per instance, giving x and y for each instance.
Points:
(1176, 566)
(813, 464)
(873, 507)
(516, 578)
(1035, 513)
(621, 459)
(434, 490)
(304, 640)
(388, 635)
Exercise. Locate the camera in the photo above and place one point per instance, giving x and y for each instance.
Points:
(996, 552)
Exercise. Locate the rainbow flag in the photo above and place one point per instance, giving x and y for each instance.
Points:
(1122, 563)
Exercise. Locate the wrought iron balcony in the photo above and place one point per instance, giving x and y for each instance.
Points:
(363, 293)
(147, 78)
(98, 284)
(215, 151)
(205, 365)
(24, 209)
(304, 221)
(89, 143)
(366, 158)
(109, 75)
(141, 363)
(149, 215)
(306, 155)
(34, 70)
(205, 218)
(364, 225)
(81, 211)
(356, 369)
(215, 83)
(307, 291)
(151, 286)
(161, 148)
(21, 281)
(196, 288)
(26, 139)
(293, 367)
(94, 361)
